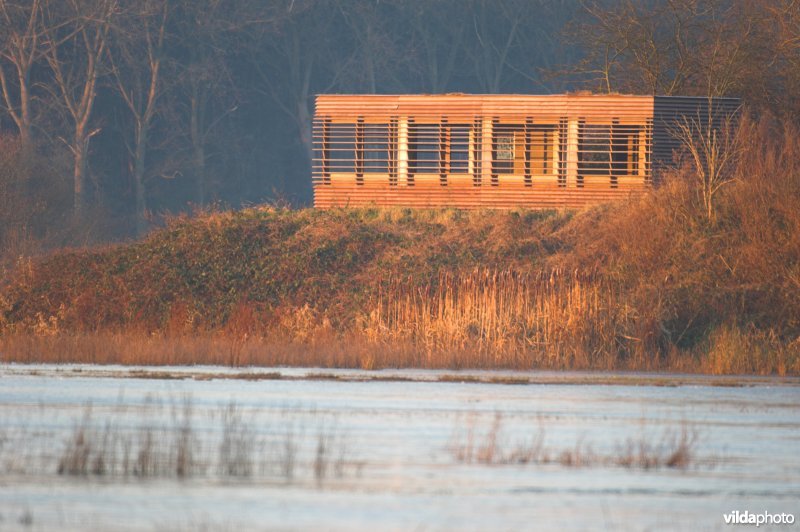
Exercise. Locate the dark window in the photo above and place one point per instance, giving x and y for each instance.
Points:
(459, 148)
(376, 148)
(342, 148)
(625, 150)
(424, 148)
(594, 150)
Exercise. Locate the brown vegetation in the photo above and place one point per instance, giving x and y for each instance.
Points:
(650, 284)
(164, 443)
(489, 446)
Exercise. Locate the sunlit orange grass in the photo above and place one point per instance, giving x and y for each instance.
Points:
(485, 319)
(506, 319)
(353, 351)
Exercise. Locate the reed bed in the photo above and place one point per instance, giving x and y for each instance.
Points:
(482, 319)
(506, 319)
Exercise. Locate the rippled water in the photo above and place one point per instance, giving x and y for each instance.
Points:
(406, 451)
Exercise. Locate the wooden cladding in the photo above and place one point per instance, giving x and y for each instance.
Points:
(494, 151)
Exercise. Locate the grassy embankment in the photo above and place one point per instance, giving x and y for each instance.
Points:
(648, 284)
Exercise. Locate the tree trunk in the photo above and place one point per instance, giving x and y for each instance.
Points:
(80, 184)
(200, 173)
(198, 149)
(25, 110)
(138, 180)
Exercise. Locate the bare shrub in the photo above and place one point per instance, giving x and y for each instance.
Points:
(185, 441)
(681, 451)
(713, 144)
(146, 463)
(75, 460)
(675, 449)
(491, 448)
(236, 450)
(289, 457)
(330, 452)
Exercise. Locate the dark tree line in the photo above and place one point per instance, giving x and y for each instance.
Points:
(134, 107)
(744, 48)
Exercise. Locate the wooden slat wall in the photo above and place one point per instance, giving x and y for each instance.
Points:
(485, 151)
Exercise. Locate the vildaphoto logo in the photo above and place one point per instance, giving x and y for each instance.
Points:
(764, 518)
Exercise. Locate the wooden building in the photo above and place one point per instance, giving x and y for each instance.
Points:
(470, 151)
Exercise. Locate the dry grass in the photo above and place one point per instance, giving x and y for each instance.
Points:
(165, 443)
(472, 444)
(480, 320)
(501, 319)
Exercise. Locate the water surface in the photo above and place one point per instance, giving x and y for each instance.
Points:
(403, 452)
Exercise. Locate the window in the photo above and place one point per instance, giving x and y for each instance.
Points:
(611, 150)
(342, 148)
(509, 149)
(625, 150)
(541, 140)
(594, 149)
(523, 149)
(424, 148)
(358, 148)
(377, 152)
(458, 155)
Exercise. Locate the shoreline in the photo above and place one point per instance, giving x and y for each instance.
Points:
(502, 377)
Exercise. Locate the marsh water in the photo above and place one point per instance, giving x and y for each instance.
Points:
(100, 448)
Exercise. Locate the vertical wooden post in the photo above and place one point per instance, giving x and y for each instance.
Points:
(475, 151)
(391, 155)
(561, 152)
(471, 150)
(615, 146)
(486, 151)
(572, 152)
(402, 151)
(530, 150)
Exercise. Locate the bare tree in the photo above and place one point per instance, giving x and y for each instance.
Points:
(642, 47)
(497, 26)
(76, 35)
(376, 50)
(20, 48)
(297, 61)
(136, 55)
(784, 25)
(438, 31)
(696, 47)
(205, 93)
(713, 144)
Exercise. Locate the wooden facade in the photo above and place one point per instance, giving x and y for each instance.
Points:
(470, 151)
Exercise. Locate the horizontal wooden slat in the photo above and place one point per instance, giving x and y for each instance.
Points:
(469, 197)
(469, 151)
